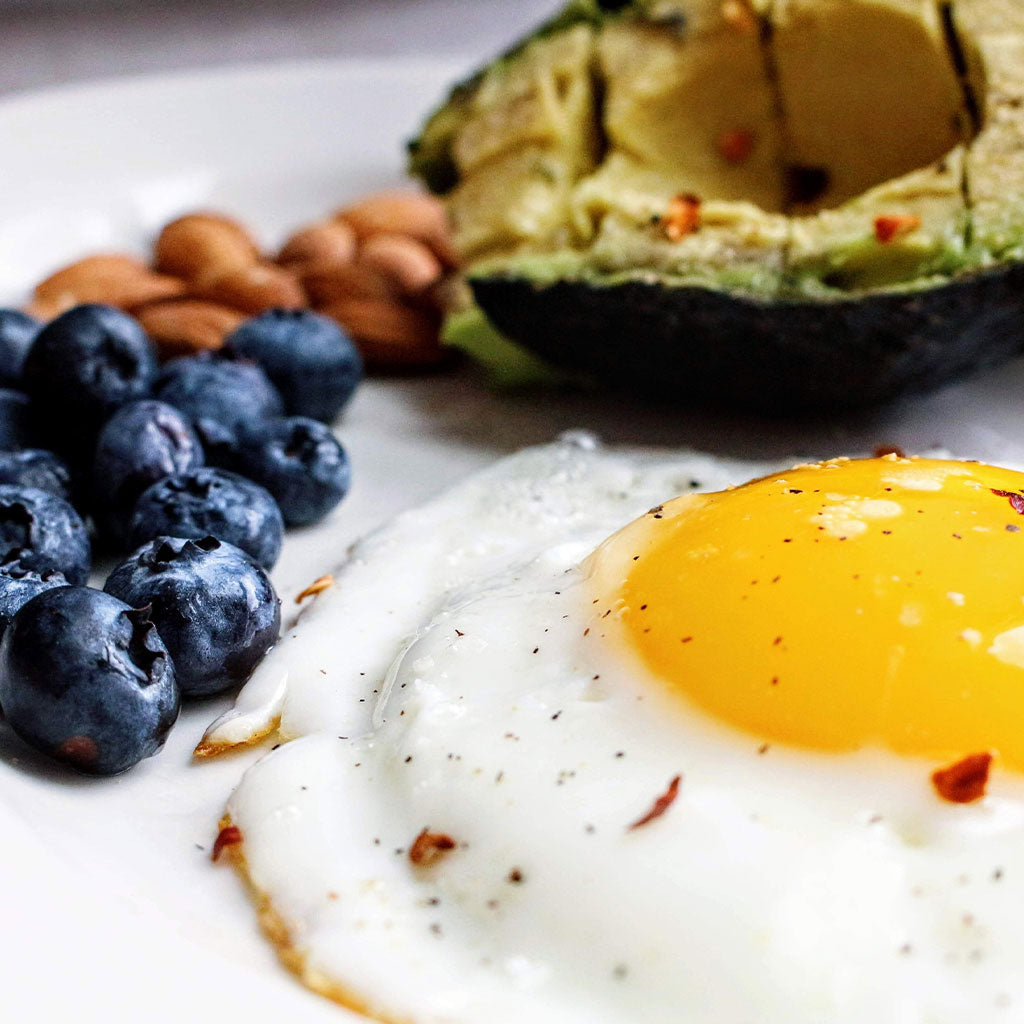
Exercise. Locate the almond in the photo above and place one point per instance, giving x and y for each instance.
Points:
(185, 326)
(325, 285)
(44, 311)
(410, 264)
(402, 213)
(390, 335)
(111, 278)
(254, 289)
(319, 245)
(204, 245)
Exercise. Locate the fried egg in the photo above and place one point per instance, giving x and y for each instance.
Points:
(566, 746)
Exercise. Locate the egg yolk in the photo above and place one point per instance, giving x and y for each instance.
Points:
(837, 605)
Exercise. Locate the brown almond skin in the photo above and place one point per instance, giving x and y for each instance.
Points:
(254, 289)
(407, 261)
(326, 285)
(325, 244)
(204, 245)
(403, 213)
(391, 335)
(114, 279)
(186, 326)
(43, 311)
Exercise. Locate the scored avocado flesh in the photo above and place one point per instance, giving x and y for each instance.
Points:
(994, 62)
(823, 163)
(530, 134)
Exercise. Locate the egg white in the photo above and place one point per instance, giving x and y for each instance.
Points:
(445, 682)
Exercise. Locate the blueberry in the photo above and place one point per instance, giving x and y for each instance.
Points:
(84, 365)
(141, 443)
(213, 606)
(310, 359)
(219, 395)
(16, 426)
(44, 531)
(85, 679)
(211, 503)
(17, 332)
(300, 462)
(33, 467)
(19, 584)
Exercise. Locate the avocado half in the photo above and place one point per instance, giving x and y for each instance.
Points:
(783, 204)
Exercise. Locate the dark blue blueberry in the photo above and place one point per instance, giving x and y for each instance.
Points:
(33, 467)
(213, 606)
(82, 366)
(19, 584)
(310, 359)
(85, 679)
(16, 422)
(44, 531)
(141, 443)
(211, 503)
(300, 462)
(219, 395)
(17, 332)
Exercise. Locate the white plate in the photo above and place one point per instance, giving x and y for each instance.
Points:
(109, 907)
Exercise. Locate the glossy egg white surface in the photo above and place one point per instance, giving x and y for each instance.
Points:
(445, 684)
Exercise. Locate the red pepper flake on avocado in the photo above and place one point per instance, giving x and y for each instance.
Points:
(736, 146)
(428, 847)
(683, 217)
(660, 806)
(738, 15)
(964, 781)
(889, 228)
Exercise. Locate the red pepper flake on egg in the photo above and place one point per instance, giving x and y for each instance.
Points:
(1016, 500)
(228, 836)
(660, 806)
(964, 781)
(429, 847)
(889, 228)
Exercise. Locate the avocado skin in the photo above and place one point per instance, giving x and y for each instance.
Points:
(781, 356)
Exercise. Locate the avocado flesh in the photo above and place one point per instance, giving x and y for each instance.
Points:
(917, 123)
(803, 270)
(868, 91)
(527, 134)
(574, 148)
(995, 164)
(674, 96)
(837, 252)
